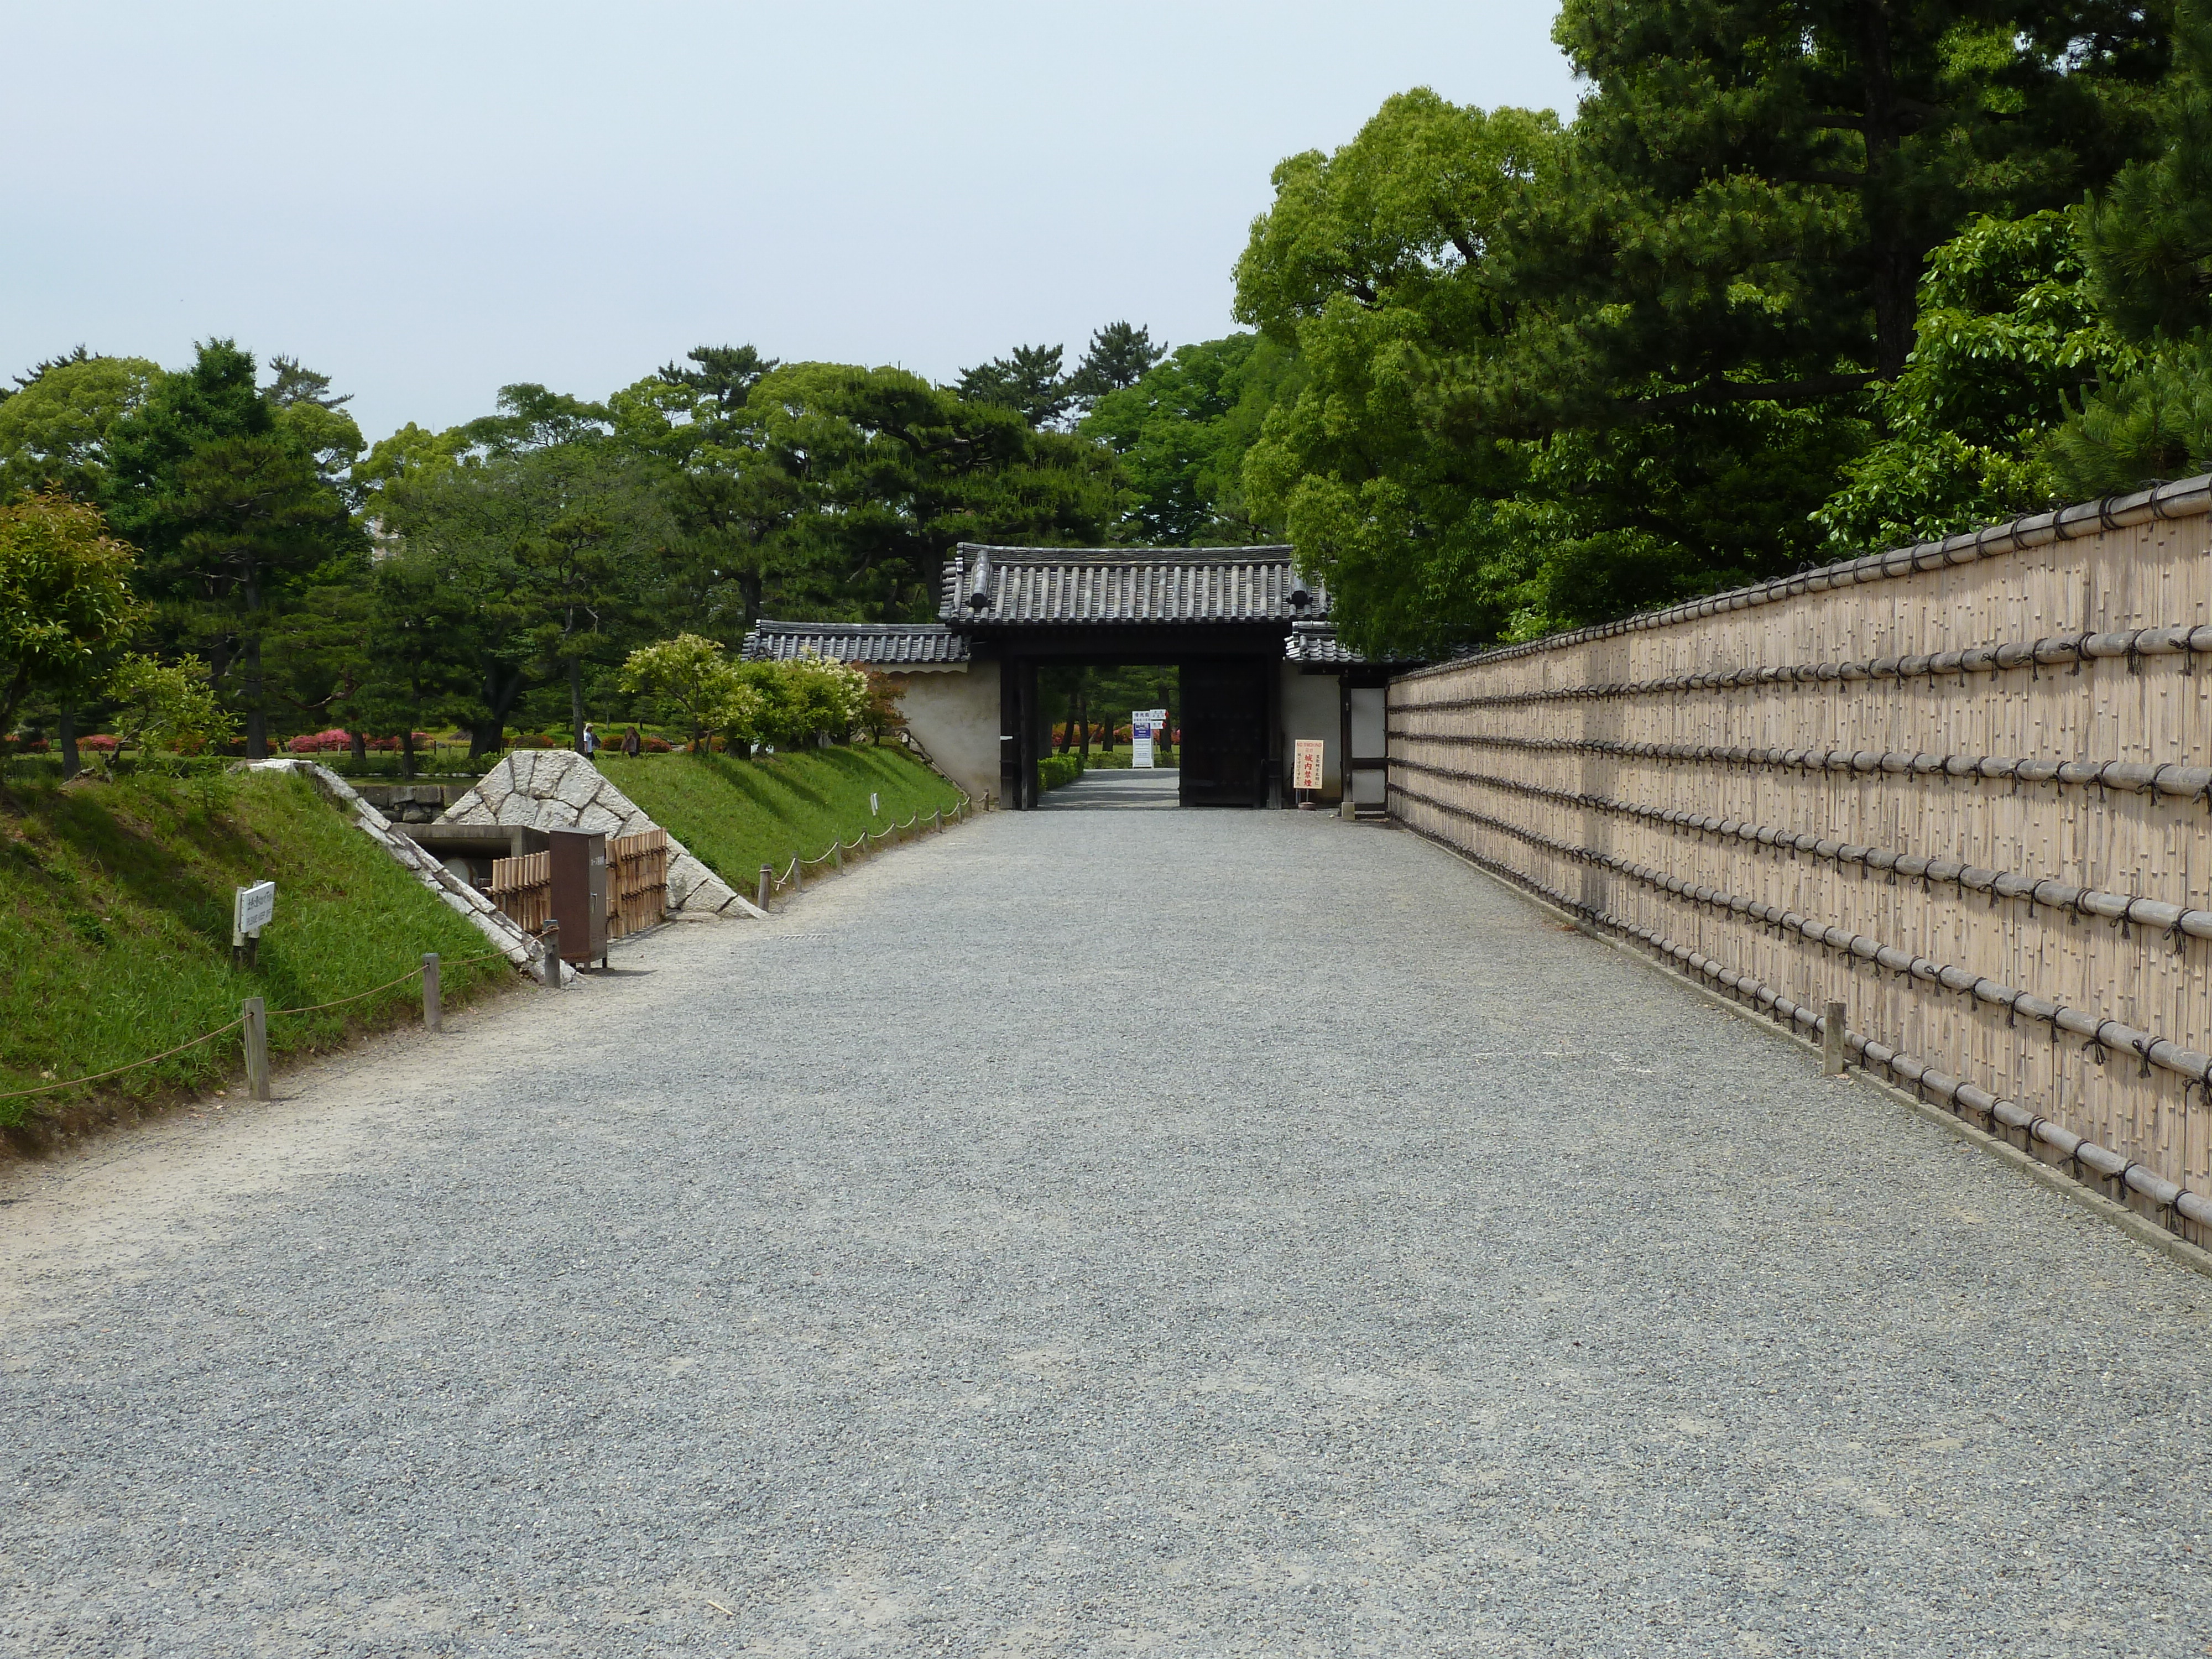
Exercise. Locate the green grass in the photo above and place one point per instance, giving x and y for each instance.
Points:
(736, 815)
(115, 904)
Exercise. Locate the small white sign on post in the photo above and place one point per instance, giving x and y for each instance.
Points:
(1305, 765)
(253, 909)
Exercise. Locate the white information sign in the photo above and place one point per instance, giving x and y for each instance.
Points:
(1145, 725)
(1305, 766)
(253, 909)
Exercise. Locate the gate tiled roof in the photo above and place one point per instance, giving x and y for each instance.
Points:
(994, 586)
(881, 645)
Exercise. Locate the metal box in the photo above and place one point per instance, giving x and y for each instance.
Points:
(580, 892)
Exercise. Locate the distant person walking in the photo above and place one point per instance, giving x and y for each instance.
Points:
(630, 743)
(588, 744)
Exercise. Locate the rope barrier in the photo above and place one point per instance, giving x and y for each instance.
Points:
(209, 1037)
(47, 1089)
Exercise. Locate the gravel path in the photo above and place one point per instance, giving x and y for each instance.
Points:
(1208, 1233)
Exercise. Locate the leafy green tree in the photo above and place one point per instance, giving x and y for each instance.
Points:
(54, 427)
(2009, 329)
(65, 601)
(1375, 266)
(166, 711)
(694, 678)
(1181, 430)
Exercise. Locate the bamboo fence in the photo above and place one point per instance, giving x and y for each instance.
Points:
(1962, 788)
(637, 885)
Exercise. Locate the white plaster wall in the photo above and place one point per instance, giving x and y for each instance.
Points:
(1311, 709)
(954, 715)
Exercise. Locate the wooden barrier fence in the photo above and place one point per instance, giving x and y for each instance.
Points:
(637, 885)
(1964, 788)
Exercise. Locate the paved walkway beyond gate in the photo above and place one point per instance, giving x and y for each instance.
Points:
(1208, 1233)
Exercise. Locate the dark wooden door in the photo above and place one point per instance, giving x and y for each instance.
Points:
(1224, 754)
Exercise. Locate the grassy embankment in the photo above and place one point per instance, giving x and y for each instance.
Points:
(736, 815)
(115, 904)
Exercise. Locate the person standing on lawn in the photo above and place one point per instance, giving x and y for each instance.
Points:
(588, 744)
(630, 743)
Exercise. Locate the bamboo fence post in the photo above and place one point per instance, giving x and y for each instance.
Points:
(432, 1015)
(1831, 1040)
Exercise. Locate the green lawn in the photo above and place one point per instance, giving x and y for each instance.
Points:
(736, 815)
(115, 904)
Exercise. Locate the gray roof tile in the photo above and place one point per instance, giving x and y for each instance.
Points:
(874, 644)
(1124, 585)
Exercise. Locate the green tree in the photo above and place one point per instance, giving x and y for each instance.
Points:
(1120, 355)
(1181, 430)
(732, 496)
(235, 504)
(1028, 381)
(54, 427)
(65, 601)
(168, 710)
(2149, 244)
(690, 675)
(2009, 329)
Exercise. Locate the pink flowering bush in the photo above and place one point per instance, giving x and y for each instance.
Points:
(98, 741)
(319, 743)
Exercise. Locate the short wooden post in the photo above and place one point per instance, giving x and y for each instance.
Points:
(837, 854)
(768, 879)
(432, 1015)
(1831, 1040)
(798, 871)
(937, 820)
(256, 1012)
(550, 947)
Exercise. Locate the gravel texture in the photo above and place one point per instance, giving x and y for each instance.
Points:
(1086, 1233)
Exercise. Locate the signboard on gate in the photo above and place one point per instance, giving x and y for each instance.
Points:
(1305, 763)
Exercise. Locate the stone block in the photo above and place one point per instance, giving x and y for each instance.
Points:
(517, 808)
(493, 788)
(710, 896)
(634, 823)
(579, 784)
(684, 875)
(522, 768)
(470, 808)
(620, 805)
(556, 815)
(596, 817)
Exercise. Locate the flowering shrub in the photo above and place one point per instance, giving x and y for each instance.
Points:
(391, 745)
(98, 741)
(655, 746)
(318, 743)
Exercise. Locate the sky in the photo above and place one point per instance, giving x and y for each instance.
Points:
(430, 201)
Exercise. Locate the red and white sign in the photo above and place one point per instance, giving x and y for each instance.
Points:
(1305, 763)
